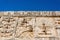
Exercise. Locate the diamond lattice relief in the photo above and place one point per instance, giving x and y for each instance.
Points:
(30, 25)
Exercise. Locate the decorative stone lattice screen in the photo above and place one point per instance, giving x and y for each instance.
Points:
(30, 25)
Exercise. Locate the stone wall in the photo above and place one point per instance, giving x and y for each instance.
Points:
(30, 25)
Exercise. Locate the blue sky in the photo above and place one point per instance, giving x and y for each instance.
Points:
(29, 5)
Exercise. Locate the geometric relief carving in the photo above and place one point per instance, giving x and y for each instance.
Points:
(44, 27)
(25, 25)
(7, 27)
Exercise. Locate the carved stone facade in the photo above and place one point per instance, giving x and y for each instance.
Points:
(30, 25)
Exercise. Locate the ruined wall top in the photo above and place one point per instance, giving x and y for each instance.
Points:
(31, 13)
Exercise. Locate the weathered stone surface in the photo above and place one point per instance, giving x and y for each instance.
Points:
(30, 25)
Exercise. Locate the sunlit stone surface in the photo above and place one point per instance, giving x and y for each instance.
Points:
(30, 25)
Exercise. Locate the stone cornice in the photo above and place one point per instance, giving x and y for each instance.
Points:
(32, 13)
